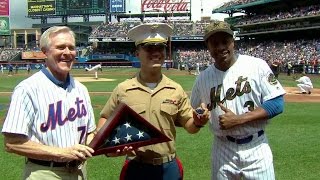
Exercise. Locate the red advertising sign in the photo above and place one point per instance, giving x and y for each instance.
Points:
(165, 5)
(33, 55)
(4, 8)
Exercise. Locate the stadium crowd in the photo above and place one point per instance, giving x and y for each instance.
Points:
(298, 52)
(7, 54)
(236, 2)
(185, 27)
(189, 58)
(119, 29)
(293, 13)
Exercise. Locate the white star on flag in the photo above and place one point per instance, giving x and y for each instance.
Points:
(116, 140)
(127, 125)
(140, 134)
(128, 137)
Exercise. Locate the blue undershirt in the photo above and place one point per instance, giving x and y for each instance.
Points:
(274, 106)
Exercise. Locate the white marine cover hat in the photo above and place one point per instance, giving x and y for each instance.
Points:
(150, 33)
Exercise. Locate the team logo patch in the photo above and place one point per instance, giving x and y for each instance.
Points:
(272, 79)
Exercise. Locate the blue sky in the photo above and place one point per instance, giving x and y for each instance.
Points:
(18, 12)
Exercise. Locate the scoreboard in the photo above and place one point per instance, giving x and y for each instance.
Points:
(80, 7)
(66, 7)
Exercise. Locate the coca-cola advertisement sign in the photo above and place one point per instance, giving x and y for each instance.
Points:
(166, 6)
(4, 8)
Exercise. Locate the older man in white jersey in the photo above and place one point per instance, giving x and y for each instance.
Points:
(242, 93)
(50, 117)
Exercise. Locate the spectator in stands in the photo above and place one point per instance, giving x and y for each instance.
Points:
(289, 68)
(275, 67)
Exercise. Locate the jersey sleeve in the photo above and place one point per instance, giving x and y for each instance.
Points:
(270, 86)
(21, 113)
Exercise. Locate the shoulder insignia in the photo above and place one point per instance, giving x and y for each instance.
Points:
(272, 79)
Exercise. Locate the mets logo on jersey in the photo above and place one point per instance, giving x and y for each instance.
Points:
(242, 87)
(272, 79)
(55, 115)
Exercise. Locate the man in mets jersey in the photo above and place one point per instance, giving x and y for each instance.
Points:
(50, 116)
(242, 95)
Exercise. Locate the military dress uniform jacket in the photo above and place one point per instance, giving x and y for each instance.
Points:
(164, 107)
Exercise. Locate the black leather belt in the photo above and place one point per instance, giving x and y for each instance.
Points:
(244, 140)
(71, 164)
(154, 161)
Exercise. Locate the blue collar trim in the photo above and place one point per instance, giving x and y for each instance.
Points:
(62, 84)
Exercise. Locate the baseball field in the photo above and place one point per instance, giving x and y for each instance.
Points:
(293, 136)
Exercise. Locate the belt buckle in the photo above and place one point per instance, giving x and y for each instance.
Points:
(244, 140)
(74, 164)
(157, 161)
(68, 165)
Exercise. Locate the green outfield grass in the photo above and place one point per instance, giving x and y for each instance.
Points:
(293, 136)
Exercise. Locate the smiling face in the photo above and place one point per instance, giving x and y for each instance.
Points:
(61, 53)
(221, 47)
(151, 56)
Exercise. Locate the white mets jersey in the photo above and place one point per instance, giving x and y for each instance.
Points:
(243, 87)
(49, 114)
(305, 80)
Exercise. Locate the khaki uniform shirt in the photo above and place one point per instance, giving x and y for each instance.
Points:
(164, 107)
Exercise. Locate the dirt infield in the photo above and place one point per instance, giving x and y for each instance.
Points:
(92, 79)
(293, 95)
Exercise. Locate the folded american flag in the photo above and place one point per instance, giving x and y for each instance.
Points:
(125, 127)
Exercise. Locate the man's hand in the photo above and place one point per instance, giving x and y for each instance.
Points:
(227, 120)
(126, 150)
(200, 115)
(77, 152)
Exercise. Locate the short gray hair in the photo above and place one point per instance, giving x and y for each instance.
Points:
(45, 37)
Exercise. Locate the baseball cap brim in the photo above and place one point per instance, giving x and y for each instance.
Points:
(154, 44)
(228, 31)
